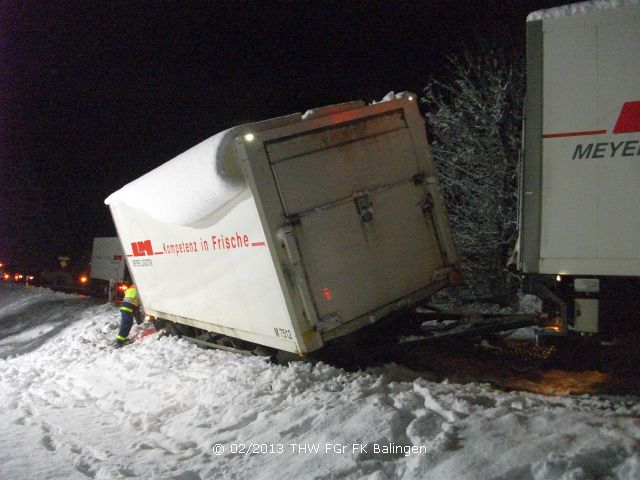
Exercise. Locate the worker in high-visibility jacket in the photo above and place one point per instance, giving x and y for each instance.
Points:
(129, 311)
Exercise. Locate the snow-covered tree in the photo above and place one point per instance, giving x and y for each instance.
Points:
(474, 120)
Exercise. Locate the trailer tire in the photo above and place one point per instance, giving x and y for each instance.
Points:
(171, 328)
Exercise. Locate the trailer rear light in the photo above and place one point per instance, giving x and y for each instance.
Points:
(84, 279)
(551, 324)
(327, 293)
(122, 287)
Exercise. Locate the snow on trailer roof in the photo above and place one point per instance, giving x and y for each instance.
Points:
(197, 182)
(578, 8)
(190, 186)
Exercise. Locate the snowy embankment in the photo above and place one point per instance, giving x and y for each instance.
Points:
(73, 407)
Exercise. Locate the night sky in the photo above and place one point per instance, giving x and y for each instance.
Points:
(94, 94)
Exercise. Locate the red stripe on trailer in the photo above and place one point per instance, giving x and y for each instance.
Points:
(629, 119)
(574, 134)
(158, 253)
(258, 244)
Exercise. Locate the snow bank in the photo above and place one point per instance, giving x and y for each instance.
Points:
(162, 408)
(578, 8)
(189, 187)
(22, 328)
(14, 297)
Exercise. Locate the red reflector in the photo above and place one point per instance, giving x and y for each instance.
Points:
(327, 293)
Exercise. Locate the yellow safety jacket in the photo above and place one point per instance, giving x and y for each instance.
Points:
(131, 300)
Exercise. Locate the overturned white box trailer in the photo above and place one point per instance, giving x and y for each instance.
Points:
(293, 231)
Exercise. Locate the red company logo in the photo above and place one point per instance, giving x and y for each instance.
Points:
(629, 119)
(141, 249)
(628, 122)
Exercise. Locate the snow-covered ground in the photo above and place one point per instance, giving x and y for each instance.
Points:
(71, 407)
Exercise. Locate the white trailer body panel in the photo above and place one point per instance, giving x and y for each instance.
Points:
(581, 187)
(190, 274)
(338, 220)
(107, 259)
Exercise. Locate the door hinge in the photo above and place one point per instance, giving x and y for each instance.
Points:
(427, 204)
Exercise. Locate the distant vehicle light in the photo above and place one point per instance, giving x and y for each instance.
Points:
(1, 264)
(410, 98)
(249, 137)
(552, 324)
(6, 276)
(559, 278)
(18, 276)
(30, 277)
(84, 279)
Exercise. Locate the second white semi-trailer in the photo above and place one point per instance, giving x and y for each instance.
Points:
(580, 196)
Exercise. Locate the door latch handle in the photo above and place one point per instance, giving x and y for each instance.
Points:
(365, 208)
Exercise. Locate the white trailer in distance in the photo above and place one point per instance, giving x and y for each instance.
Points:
(108, 268)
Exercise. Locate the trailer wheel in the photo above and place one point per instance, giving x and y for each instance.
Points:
(159, 323)
(170, 328)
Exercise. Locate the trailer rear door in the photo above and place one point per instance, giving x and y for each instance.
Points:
(360, 211)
